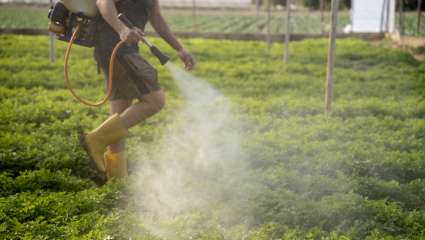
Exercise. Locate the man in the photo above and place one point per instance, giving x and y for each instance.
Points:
(133, 78)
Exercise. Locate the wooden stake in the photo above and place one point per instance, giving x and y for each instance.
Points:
(331, 57)
(387, 16)
(418, 19)
(288, 31)
(392, 16)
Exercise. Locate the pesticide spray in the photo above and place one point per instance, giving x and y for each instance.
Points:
(195, 168)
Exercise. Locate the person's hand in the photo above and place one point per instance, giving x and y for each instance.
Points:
(132, 35)
(187, 59)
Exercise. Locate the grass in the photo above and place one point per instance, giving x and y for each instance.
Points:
(356, 174)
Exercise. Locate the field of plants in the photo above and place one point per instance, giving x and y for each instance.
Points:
(356, 174)
(209, 21)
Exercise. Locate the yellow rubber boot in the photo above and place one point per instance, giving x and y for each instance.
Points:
(96, 141)
(116, 164)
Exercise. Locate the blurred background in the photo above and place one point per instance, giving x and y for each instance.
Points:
(253, 16)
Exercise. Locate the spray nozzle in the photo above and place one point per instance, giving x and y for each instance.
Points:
(163, 59)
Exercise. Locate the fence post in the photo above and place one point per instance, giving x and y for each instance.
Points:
(331, 57)
(288, 30)
(418, 19)
(392, 16)
(269, 39)
(387, 16)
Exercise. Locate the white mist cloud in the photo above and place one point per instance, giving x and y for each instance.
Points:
(196, 166)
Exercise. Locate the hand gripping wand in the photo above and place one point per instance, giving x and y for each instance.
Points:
(163, 59)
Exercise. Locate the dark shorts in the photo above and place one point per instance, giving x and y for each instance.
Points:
(133, 77)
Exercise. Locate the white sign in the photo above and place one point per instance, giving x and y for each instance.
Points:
(373, 16)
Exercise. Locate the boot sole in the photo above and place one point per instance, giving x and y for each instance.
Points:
(92, 163)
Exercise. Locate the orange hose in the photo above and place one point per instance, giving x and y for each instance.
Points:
(110, 75)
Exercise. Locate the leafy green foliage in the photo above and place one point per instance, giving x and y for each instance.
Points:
(356, 174)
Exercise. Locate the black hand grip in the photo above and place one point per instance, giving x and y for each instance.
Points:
(125, 20)
(161, 57)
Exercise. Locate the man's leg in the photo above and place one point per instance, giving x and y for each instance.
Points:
(114, 159)
(115, 129)
(118, 106)
(130, 115)
(151, 103)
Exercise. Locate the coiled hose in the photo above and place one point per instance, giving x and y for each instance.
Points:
(110, 71)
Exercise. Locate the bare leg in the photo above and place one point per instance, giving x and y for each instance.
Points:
(151, 103)
(118, 106)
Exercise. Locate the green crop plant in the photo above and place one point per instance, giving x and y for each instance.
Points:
(356, 174)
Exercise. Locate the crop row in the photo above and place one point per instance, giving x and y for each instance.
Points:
(356, 174)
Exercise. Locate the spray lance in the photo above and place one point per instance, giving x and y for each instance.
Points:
(74, 21)
(163, 59)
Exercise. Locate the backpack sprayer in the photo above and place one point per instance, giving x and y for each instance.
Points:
(74, 21)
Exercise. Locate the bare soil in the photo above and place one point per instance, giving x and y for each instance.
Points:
(410, 44)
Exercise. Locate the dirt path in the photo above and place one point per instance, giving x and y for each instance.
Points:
(414, 45)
